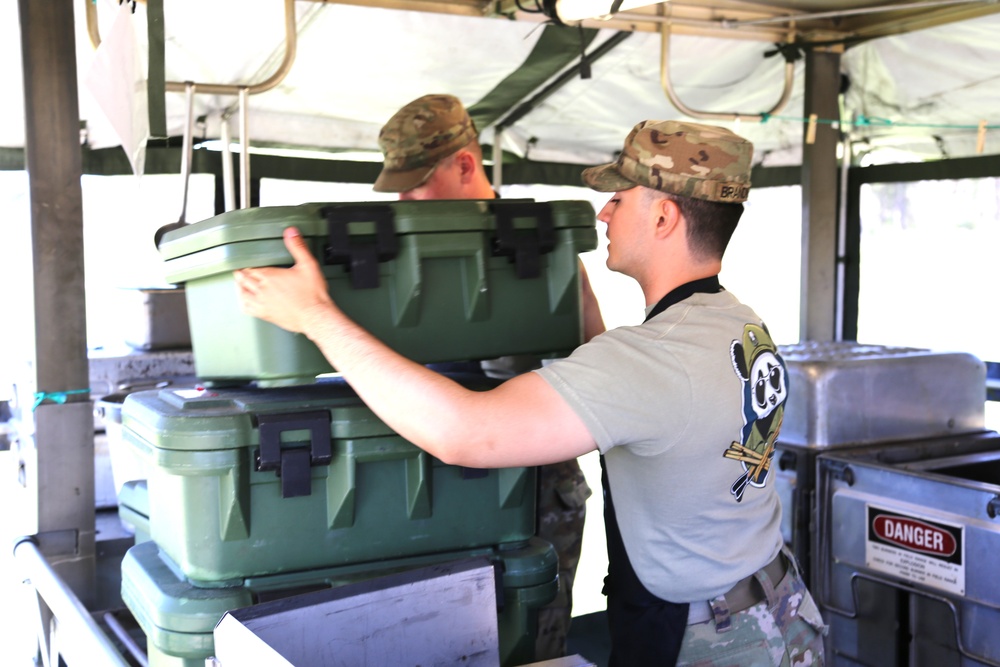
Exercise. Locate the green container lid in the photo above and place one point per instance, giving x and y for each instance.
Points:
(203, 419)
(233, 240)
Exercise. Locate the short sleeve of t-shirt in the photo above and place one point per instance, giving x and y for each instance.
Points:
(607, 382)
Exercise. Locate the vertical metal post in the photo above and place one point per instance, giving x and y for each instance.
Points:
(187, 147)
(244, 148)
(225, 138)
(819, 198)
(57, 482)
(845, 167)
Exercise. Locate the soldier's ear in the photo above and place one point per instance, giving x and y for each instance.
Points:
(668, 216)
(466, 165)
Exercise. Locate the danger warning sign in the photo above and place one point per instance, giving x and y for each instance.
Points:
(916, 548)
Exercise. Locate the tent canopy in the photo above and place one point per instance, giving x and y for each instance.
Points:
(918, 77)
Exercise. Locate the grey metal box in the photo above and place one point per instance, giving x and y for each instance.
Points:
(442, 614)
(909, 533)
(117, 372)
(154, 318)
(846, 393)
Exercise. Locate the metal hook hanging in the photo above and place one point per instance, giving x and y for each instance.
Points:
(786, 94)
(187, 147)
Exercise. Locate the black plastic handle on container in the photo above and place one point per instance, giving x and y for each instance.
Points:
(523, 248)
(292, 464)
(361, 257)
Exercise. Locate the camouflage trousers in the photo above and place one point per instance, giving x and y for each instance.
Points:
(785, 630)
(562, 497)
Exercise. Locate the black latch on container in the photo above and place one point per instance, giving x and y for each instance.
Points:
(293, 464)
(361, 257)
(524, 247)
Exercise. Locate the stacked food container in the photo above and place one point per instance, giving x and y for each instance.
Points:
(265, 481)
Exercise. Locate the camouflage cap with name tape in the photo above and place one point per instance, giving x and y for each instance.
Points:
(679, 158)
(418, 137)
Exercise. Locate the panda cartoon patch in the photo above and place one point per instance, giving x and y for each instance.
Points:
(757, 363)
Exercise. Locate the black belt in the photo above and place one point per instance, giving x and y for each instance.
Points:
(746, 593)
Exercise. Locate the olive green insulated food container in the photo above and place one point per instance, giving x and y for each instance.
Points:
(437, 281)
(179, 618)
(249, 481)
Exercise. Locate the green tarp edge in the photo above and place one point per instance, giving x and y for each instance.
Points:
(155, 77)
(167, 160)
(557, 47)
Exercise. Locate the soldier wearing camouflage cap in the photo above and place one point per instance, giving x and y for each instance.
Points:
(685, 159)
(684, 409)
(431, 151)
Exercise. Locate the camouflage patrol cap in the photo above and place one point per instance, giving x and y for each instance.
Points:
(417, 137)
(680, 158)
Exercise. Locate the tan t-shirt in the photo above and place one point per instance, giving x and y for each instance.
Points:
(665, 401)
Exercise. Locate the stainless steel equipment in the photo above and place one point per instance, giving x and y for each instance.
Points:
(847, 394)
(119, 371)
(113, 375)
(907, 554)
(155, 318)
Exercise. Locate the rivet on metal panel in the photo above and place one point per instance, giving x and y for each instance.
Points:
(843, 472)
(993, 507)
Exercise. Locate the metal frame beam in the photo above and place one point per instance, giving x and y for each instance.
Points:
(57, 439)
(819, 298)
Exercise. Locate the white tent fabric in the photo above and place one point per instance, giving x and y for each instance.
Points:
(936, 86)
(924, 92)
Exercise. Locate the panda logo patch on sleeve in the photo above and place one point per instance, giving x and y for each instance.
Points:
(758, 365)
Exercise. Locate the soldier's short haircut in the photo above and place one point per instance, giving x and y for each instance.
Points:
(710, 224)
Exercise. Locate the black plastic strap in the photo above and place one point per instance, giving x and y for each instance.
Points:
(499, 567)
(526, 246)
(295, 473)
(292, 464)
(644, 629)
(360, 255)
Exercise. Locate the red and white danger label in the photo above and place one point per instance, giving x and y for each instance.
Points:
(917, 549)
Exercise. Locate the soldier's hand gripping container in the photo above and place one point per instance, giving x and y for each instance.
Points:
(435, 280)
(244, 482)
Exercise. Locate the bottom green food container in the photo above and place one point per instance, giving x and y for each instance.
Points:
(178, 618)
